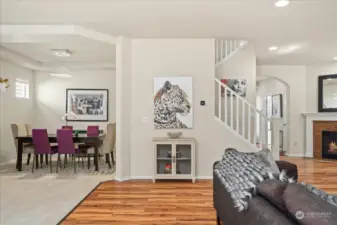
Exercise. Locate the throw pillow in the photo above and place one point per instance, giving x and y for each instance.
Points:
(267, 157)
(272, 190)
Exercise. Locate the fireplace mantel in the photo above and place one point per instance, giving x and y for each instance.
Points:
(309, 119)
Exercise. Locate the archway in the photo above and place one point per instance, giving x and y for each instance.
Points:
(266, 87)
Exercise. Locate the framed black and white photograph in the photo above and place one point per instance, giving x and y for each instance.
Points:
(239, 86)
(277, 106)
(87, 104)
(173, 102)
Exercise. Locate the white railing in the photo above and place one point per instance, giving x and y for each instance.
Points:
(241, 117)
(226, 48)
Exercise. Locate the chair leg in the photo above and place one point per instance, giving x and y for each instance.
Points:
(37, 161)
(33, 163)
(51, 168)
(47, 159)
(65, 161)
(57, 164)
(112, 158)
(74, 164)
(41, 160)
(28, 159)
(88, 162)
(82, 162)
(107, 158)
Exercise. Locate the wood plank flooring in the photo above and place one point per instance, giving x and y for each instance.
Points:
(181, 202)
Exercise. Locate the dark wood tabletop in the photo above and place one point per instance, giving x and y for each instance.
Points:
(95, 141)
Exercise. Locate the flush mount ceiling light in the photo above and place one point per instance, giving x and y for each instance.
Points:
(272, 48)
(335, 58)
(62, 72)
(61, 52)
(281, 3)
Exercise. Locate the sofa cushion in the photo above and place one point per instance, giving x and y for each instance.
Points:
(307, 208)
(272, 191)
(332, 199)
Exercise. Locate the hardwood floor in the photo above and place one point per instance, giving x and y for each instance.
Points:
(166, 202)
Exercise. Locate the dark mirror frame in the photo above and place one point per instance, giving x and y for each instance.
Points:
(320, 93)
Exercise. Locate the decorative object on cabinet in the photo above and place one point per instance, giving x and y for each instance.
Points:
(173, 102)
(174, 134)
(174, 158)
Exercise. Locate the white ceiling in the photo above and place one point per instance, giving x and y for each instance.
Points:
(309, 24)
(83, 50)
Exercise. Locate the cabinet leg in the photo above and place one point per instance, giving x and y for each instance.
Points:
(193, 180)
(154, 180)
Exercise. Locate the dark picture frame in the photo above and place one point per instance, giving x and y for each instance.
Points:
(94, 108)
(320, 93)
(277, 109)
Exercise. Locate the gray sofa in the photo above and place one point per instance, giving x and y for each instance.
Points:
(276, 203)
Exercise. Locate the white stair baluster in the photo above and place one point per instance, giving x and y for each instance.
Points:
(249, 124)
(231, 96)
(237, 114)
(226, 105)
(243, 119)
(219, 96)
(255, 126)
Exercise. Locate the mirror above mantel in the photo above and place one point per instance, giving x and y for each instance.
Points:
(327, 93)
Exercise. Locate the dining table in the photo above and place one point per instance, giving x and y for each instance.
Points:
(94, 140)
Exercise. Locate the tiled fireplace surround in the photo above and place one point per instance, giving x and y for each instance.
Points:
(315, 124)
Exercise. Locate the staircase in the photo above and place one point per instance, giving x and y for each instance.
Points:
(224, 49)
(232, 110)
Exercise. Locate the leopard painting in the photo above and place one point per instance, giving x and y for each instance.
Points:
(168, 101)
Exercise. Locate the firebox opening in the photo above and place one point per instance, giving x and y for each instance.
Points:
(329, 144)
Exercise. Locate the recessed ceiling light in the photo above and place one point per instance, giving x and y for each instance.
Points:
(335, 58)
(281, 3)
(272, 48)
(61, 52)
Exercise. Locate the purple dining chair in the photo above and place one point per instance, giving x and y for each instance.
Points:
(66, 146)
(42, 146)
(92, 130)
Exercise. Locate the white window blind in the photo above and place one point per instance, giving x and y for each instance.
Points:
(22, 88)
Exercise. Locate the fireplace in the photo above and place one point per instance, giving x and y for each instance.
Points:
(329, 144)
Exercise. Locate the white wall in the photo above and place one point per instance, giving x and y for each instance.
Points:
(13, 110)
(242, 65)
(176, 57)
(51, 97)
(296, 78)
(313, 72)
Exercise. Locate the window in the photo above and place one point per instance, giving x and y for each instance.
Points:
(22, 88)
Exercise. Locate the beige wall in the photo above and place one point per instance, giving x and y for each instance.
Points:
(13, 110)
(176, 57)
(51, 96)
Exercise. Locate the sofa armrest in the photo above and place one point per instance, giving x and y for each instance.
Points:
(290, 168)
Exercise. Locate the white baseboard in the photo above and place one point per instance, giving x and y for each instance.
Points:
(204, 177)
(141, 178)
(122, 179)
(296, 155)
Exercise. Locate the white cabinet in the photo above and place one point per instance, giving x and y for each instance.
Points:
(174, 158)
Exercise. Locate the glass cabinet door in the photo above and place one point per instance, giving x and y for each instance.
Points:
(183, 159)
(164, 159)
